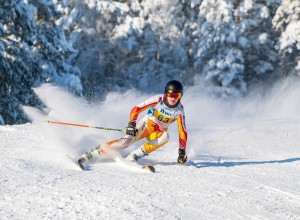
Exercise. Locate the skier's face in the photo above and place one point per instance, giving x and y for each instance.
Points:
(173, 98)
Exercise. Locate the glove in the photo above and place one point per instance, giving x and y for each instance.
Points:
(130, 129)
(182, 158)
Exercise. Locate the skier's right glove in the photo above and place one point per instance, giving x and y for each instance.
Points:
(130, 129)
(182, 158)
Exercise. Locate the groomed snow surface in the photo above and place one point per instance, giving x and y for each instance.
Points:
(244, 162)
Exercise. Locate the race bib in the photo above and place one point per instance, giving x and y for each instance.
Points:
(160, 116)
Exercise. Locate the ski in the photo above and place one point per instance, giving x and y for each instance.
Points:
(150, 168)
(117, 157)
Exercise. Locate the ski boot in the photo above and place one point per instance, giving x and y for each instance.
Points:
(135, 155)
(93, 154)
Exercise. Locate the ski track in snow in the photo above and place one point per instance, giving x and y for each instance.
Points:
(242, 172)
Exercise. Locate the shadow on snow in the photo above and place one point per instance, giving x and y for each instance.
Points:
(220, 163)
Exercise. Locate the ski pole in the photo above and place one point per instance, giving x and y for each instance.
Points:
(81, 125)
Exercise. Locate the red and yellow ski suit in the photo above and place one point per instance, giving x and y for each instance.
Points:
(154, 125)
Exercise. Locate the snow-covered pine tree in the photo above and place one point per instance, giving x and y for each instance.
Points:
(254, 20)
(90, 26)
(219, 60)
(159, 45)
(133, 41)
(235, 45)
(33, 49)
(287, 22)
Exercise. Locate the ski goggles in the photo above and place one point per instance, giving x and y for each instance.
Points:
(176, 95)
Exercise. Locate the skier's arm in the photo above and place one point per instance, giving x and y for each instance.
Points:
(142, 107)
(182, 158)
(130, 129)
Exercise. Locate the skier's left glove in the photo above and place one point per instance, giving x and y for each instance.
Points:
(182, 158)
(130, 129)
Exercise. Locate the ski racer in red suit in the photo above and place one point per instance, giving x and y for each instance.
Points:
(163, 110)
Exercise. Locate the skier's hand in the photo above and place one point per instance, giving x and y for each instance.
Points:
(130, 129)
(182, 158)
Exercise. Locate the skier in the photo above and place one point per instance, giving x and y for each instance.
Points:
(163, 110)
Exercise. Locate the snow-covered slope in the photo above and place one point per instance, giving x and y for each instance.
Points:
(241, 166)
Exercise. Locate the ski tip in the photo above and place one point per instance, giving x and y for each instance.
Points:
(79, 163)
(150, 168)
